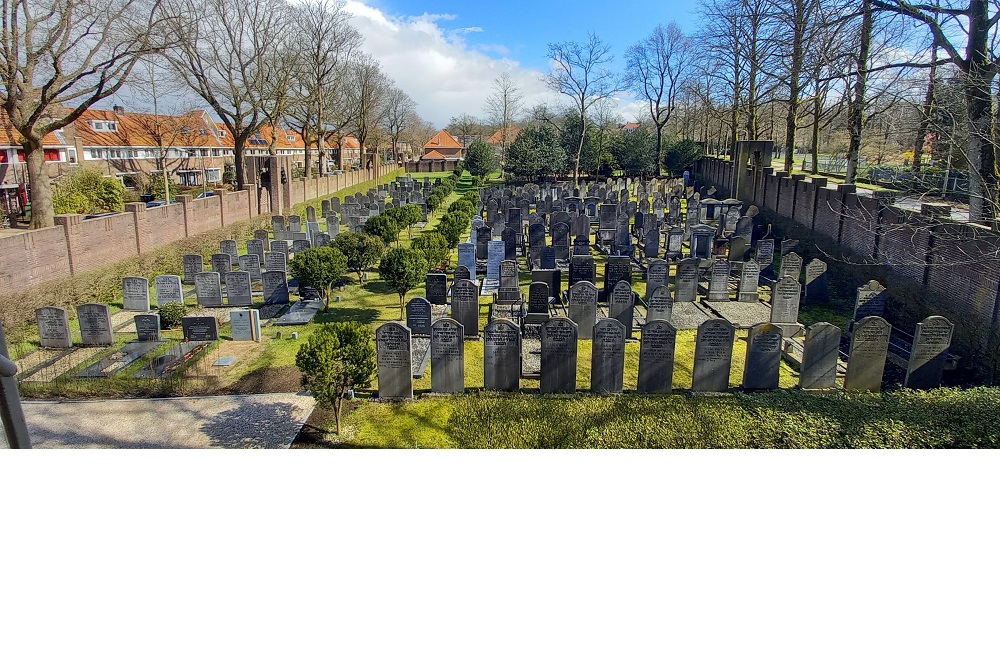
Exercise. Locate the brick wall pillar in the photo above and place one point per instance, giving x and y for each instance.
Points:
(187, 201)
(138, 211)
(222, 206)
(69, 223)
(252, 209)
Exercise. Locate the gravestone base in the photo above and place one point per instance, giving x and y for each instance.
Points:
(301, 313)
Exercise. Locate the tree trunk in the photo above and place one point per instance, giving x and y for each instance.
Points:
(982, 151)
(659, 149)
(338, 403)
(856, 112)
(42, 210)
(307, 171)
(925, 116)
(579, 150)
(239, 150)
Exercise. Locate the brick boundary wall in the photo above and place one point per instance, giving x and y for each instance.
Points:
(76, 245)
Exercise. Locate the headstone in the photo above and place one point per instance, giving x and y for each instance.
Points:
(193, 265)
(467, 256)
(607, 362)
(251, 264)
(483, 236)
(436, 287)
(763, 361)
(465, 306)
(502, 356)
(820, 356)
(509, 238)
(418, 316)
(870, 301)
(791, 266)
(583, 307)
(660, 305)
(675, 242)
(222, 264)
(651, 244)
(495, 255)
(547, 258)
(713, 355)
(718, 282)
(53, 327)
(929, 353)
(582, 267)
(238, 289)
(300, 245)
(749, 282)
(245, 324)
(816, 281)
(447, 357)
(686, 280)
(147, 327)
(168, 288)
(621, 305)
(135, 293)
(538, 299)
(229, 247)
(275, 287)
(785, 300)
(395, 372)
(657, 275)
(737, 249)
(280, 247)
(616, 270)
(260, 235)
(559, 351)
(95, 324)
(208, 289)
(275, 261)
(656, 356)
(200, 328)
(764, 253)
(866, 359)
(462, 273)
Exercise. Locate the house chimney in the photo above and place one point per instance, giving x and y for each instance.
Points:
(119, 110)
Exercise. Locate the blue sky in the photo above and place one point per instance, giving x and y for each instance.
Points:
(446, 53)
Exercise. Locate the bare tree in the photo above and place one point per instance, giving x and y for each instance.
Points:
(226, 57)
(367, 91)
(800, 23)
(655, 67)
(579, 71)
(60, 57)
(465, 127)
(418, 132)
(502, 107)
(399, 113)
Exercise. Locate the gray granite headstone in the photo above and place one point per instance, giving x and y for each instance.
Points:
(147, 327)
(275, 287)
(251, 264)
(462, 273)
(168, 288)
(656, 357)
(229, 247)
(465, 306)
(660, 305)
(418, 316)
(547, 258)
(820, 356)
(275, 261)
(245, 324)
(238, 289)
(816, 291)
(222, 264)
(686, 280)
(791, 266)
(467, 256)
(621, 305)
(256, 247)
(53, 327)
(713, 355)
(870, 301)
(785, 300)
(764, 253)
(675, 241)
(559, 352)
(300, 245)
(583, 307)
(208, 289)
(135, 293)
(436, 287)
(447, 357)
(607, 361)
(866, 359)
(395, 370)
(200, 328)
(929, 353)
(616, 270)
(494, 256)
(582, 267)
(763, 360)
(502, 355)
(718, 282)
(193, 265)
(657, 275)
(95, 324)
(749, 282)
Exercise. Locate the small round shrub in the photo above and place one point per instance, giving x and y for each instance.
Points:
(171, 314)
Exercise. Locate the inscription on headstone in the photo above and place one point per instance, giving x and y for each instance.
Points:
(168, 288)
(607, 362)
(930, 351)
(866, 359)
(238, 289)
(200, 328)
(418, 316)
(686, 280)
(193, 265)
(763, 361)
(208, 289)
(656, 357)
(583, 307)
(502, 356)
(785, 300)
(465, 306)
(820, 356)
(95, 324)
(437, 288)
(870, 301)
(559, 352)
(713, 355)
(447, 357)
(147, 327)
(53, 327)
(660, 305)
(275, 287)
(135, 293)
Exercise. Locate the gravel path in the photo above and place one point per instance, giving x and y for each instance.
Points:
(257, 421)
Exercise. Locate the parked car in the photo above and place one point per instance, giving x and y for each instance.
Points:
(100, 215)
(159, 202)
(205, 194)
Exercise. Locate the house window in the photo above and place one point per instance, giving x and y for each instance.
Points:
(213, 175)
(104, 125)
(215, 152)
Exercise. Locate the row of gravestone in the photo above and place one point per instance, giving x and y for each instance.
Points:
(712, 357)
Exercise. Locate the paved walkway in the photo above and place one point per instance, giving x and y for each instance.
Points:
(268, 421)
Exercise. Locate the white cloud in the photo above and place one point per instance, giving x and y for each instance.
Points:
(444, 75)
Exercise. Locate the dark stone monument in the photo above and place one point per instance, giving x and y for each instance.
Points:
(200, 328)
(193, 265)
(222, 264)
(870, 301)
(447, 357)
(607, 362)
(785, 301)
(418, 316)
(582, 267)
(436, 287)
(930, 351)
(538, 299)
(866, 359)
(615, 270)
(502, 356)
(147, 327)
(275, 287)
(583, 307)
(462, 273)
(656, 357)
(764, 253)
(686, 280)
(621, 305)
(465, 306)
(395, 367)
(763, 361)
(559, 351)
(657, 275)
(660, 305)
(816, 291)
(820, 356)
(208, 289)
(713, 355)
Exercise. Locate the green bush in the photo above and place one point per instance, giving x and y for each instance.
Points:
(434, 246)
(385, 226)
(171, 314)
(88, 191)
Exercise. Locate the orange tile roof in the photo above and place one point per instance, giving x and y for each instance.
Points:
(434, 155)
(496, 137)
(11, 137)
(194, 128)
(443, 139)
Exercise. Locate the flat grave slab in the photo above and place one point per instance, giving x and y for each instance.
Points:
(688, 315)
(301, 313)
(225, 361)
(118, 361)
(742, 315)
(165, 365)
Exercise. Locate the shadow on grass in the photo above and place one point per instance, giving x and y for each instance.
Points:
(377, 287)
(338, 314)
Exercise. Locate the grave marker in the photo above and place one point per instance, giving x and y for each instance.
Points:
(686, 280)
(193, 265)
(763, 360)
(436, 288)
(53, 327)
(583, 307)
(147, 327)
(607, 362)
(465, 306)
(395, 363)
(866, 359)
(208, 289)
(447, 357)
(168, 288)
(238, 289)
(621, 305)
(559, 352)
(245, 324)
(198, 329)
(135, 293)
(785, 301)
(418, 316)
(656, 356)
(820, 356)
(930, 351)
(870, 301)
(749, 282)
(713, 355)
(275, 287)
(816, 291)
(660, 305)
(718, 282)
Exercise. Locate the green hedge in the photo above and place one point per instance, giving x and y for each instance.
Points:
(782, 419)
